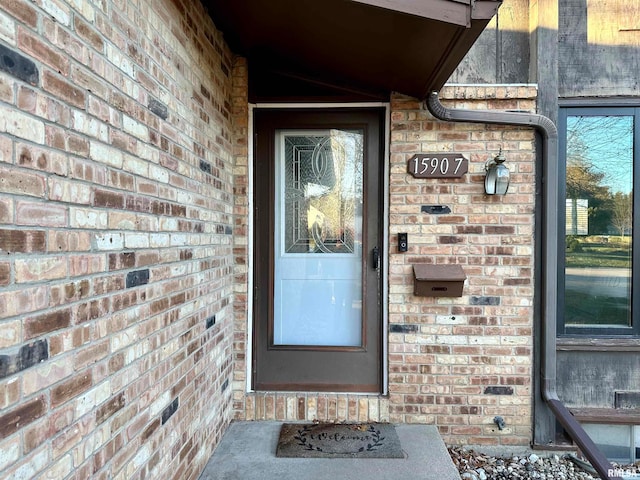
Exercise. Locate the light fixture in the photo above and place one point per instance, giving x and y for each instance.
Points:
(497, 180)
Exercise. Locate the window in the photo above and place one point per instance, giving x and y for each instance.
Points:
(598, 155)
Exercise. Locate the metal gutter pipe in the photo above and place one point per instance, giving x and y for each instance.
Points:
(550, 174)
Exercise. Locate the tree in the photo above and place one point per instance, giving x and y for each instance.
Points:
(622, 218)
(599, 161)
(584, 183)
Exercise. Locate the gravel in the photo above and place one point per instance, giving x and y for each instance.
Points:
(473, 465)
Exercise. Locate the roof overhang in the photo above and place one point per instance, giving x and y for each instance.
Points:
(374, 46)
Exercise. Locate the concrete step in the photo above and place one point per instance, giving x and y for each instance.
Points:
(247, 452)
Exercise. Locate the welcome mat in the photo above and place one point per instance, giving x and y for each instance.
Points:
(331, 440)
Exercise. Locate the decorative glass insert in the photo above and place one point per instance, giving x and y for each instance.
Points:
(599, 220)
(318, 238)
(322, 192)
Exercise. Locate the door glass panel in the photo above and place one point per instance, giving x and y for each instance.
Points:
(599, 226)
(318, 238)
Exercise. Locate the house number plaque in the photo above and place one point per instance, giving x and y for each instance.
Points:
(438, 165)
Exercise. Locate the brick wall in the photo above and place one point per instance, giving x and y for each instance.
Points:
(454, 362)
(116, 255)
(459, 362)
(124, 252)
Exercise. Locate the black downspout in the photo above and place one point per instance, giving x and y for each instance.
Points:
(550, 174)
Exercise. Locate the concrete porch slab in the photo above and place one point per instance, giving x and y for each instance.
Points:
(247, 452)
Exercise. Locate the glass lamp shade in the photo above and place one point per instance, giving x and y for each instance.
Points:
(497, 180)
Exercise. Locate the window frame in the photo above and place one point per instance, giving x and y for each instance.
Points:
(613, 109)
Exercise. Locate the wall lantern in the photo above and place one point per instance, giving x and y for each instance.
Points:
(497, 180)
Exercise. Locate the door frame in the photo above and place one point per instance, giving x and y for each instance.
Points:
(384, 237)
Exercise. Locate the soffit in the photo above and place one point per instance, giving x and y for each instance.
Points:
(376, 46)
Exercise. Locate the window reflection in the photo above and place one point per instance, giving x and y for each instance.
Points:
(599, 225)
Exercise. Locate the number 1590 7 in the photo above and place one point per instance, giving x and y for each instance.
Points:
(438, 165)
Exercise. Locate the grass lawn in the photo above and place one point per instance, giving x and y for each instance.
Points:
(603, 255)
(588, 309)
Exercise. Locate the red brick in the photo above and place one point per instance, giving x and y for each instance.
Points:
(113, 405)
(118, 261)
(105, 198)
(77, 145)
(121, 180)
(123, 103)
(159, 305)
(46, 323)
(41, 214)
(88, 33)
(41, 159)
(69, 241)
(147, 432)
(36, 47)
(148, 82)
(91, 310)
(6, 210)
(91, 354)
(35, 435)
(68, 340)
(65, 293)
(6, 89)
(147, 258)
(116, 363)
(5, 273)
(86, 264)
(22, 182)
(71, 388)
(22, 11)
(83, 170)
(22, 241)
(54, 111)
(22, 416)
(9, 394)
(27, 99)
(64, 90)
(55, 137)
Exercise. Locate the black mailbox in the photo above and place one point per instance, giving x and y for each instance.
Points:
(438, 280)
